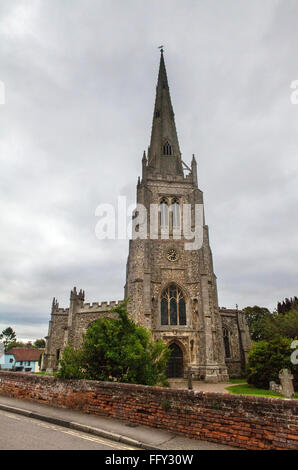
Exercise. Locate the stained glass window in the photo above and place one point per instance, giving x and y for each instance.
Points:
(173, 308)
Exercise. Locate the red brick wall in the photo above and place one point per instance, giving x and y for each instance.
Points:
(247, 422)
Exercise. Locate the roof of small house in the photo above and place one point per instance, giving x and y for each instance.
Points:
(26, 354)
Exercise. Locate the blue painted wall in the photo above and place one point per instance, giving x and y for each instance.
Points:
(28, 366)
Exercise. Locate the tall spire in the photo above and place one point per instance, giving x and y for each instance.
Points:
(164, 153)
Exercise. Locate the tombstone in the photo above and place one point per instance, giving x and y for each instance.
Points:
(189, 378)
(274, 387)
(286, 379)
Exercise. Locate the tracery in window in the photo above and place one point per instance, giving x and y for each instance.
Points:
(173, 308)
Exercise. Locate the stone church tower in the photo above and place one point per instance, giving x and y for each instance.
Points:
(172, 290)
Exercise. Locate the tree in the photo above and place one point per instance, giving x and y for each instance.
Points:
(117, 349)
(39, 343)
(285, 324)
(15, 344)
(287, 305)
(266, 359)
(8, 337)
(256, 317)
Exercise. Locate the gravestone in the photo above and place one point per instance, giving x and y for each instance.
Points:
(286, 379)
(274, 387)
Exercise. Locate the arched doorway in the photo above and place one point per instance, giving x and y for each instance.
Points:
(175, 363)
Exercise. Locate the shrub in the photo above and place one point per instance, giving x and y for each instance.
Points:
(71, 364)
(266, 359)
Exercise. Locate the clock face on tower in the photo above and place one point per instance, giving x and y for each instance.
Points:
(172, 255)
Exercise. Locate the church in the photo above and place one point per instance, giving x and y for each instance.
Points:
(171, 290)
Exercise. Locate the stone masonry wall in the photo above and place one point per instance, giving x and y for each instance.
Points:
(240, 421)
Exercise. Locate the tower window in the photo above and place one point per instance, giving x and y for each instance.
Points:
(226, 338)
(167, 149)
(164, 214)
(175, 208)
(157, 114)
(173, 309)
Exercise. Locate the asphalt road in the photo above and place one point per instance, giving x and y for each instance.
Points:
(21, 433)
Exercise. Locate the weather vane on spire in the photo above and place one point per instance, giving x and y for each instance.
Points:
(161, 48)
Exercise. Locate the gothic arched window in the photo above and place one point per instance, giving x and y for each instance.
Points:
(173, 309)
(226, 338)
(167, 149)
(175, 208)
(164, 213)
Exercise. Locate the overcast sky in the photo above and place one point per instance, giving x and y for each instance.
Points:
(80, 80)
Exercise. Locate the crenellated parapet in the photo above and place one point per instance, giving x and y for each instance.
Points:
(99, 306)
(77, 298)
(61, 311)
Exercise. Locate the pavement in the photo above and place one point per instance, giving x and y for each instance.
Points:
(200, 386)
(135, 435)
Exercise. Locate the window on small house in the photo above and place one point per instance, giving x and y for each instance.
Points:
(167, 149)
(11, 359)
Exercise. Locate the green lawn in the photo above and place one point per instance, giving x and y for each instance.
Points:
(238, 380)
(45, 373)
(246, 389)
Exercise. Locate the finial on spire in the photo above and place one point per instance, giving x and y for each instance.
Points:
(161, 49)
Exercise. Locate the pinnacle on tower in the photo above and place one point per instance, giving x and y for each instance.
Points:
(194, 170)
(55, 304)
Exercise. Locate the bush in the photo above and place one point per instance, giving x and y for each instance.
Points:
(71, 364)
(266, 359)
(117, 349)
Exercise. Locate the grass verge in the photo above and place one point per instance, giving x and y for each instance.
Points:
(246, 389)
